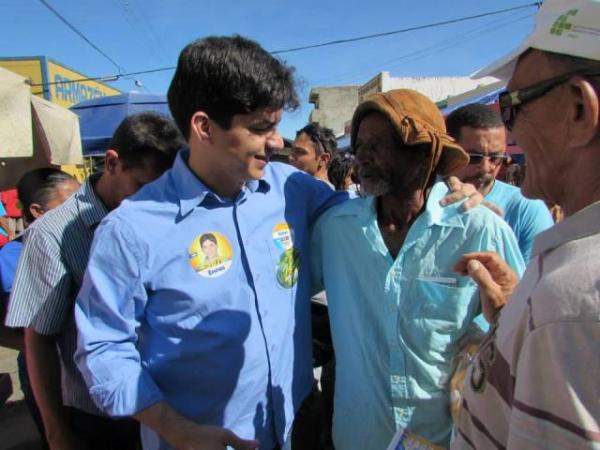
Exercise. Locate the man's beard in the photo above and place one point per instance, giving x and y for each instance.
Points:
(377, 183)
(480, 181)
(376, 187)
(374, 183)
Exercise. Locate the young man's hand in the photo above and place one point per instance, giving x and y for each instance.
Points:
(184, 434)
(205, 437)
(495, 278)
(460, 191)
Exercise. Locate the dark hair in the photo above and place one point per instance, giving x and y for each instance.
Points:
(145, 139)
(208, 237)
(339, 168)
(225, 76)
(39, 186)
(475, 115)
(323, 137)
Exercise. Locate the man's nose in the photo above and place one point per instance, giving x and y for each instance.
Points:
(275, 140)
(486, 164)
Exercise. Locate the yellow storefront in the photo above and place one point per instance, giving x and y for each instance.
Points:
(58, 84)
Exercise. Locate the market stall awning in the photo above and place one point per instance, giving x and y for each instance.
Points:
(100, 117)
(56, 129)
(16, 139)
(486, 98)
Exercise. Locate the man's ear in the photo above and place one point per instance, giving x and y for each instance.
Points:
(111, 161)
(200, 126)
(584, 114)
(36, 210)
(324, 159)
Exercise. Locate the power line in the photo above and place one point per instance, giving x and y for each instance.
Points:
(81, 35)
(289, 50)
(404, 30)
(456, 39)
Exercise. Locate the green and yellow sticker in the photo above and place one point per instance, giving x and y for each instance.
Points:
(289, 260)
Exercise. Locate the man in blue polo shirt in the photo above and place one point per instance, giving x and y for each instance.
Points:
(480, 131)
(194, 313)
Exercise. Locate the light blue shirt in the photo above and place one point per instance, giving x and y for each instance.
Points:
(203, 302)
(9, 258)
(2, 214)
(396, 323)
(526, 217)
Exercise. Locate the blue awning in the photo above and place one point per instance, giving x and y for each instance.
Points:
(486, 99)
(100, 117)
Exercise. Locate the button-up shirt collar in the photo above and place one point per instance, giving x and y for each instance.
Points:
(581, 224)
(192, 192)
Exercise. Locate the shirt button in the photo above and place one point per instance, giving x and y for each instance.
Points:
(395, 379)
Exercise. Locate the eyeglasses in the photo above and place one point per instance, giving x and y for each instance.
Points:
(494, 158)
(510, 101)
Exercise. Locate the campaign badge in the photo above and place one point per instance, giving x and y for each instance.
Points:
(210, 254)
(289, 258)
(287, 269)
(283, 236)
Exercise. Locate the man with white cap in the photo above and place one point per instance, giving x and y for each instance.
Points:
(534, 382)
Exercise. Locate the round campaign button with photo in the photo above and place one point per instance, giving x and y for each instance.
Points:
(210, 254)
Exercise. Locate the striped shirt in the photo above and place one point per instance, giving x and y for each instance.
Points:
(535, 382)
(48, 278)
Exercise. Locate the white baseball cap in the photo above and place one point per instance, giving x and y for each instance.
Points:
(568, 27)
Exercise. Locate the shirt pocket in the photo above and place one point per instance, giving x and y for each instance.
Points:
(444, 304)
(443, 314)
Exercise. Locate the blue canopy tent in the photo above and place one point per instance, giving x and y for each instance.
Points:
(486, 98)
(100, 117)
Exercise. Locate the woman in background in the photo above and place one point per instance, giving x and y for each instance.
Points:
(39, 191)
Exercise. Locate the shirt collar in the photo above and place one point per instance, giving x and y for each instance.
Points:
(91, 209)
(444, 216)
(191, 191)
(434, 214)
(580, 225)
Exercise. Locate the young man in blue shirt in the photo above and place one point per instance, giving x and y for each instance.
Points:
(207, 353)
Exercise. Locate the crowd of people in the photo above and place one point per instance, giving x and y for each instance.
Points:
(166, 302)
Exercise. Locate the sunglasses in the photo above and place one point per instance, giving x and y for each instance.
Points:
(510, 101)
(494, 158)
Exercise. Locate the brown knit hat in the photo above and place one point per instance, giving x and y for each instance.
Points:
(417, 121)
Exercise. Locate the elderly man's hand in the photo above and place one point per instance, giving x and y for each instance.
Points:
(495, 278)
(460, 191)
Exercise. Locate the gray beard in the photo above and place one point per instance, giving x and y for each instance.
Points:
(376, 187)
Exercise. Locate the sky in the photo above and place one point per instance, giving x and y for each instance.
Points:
(141, 35)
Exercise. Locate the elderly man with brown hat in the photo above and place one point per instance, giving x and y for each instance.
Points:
(535, 382)
(397, 309)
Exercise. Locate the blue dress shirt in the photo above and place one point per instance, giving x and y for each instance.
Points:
(203, 302)
(9, 258)
(2, 214)
(396, 322)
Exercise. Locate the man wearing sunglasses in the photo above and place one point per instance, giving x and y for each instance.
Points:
(534, 381)
(480, 131)
(312, 151)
